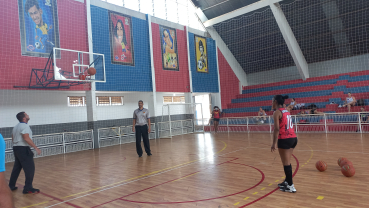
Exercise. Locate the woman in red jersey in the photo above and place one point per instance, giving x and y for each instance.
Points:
(287, 140)
(216, 116)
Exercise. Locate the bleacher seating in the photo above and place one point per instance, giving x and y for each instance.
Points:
(320, 91)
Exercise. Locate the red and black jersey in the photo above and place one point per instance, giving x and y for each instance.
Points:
(216, 114)
(286, 125)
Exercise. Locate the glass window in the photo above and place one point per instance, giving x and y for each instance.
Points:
(131, 4)
(116, 100)
(116, 2)
(103, 100)
(159, 9)
(146, 6)
(75, 101)
(172, 11)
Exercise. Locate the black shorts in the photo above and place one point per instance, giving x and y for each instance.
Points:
(287, 143)
(217, 119)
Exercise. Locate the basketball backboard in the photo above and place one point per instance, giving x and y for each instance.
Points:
(71, 65)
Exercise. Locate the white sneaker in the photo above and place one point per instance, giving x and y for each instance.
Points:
(288, 188)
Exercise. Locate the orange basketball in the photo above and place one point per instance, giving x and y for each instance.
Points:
(321, 165)
(91, 71)
(346, 162)
(348, 170)
(340, 160)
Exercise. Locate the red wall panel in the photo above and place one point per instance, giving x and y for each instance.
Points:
(166, 80)
(229, 83)
(15, 69)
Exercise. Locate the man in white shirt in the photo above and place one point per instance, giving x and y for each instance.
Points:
(142, 127)
(22, 141)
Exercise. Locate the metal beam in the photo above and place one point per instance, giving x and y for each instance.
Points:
(246, 9)
(232, 61)
(289, 37)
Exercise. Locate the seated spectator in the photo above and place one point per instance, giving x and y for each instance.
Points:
(350, 101)
(262, 113)
(289, 108)
(315, 111)
(302, 113)
(293, 104)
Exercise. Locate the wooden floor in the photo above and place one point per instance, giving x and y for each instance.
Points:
(203, 170)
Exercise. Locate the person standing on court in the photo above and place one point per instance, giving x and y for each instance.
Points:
(6, 198)
(22, 141)
(142, 127)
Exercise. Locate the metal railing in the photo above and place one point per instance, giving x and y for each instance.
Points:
(120, 135)
(54, 144)
(307, 123)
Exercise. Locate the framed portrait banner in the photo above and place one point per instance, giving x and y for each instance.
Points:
(201, 54)
(168, 40)
(121, 41)
(39, 30)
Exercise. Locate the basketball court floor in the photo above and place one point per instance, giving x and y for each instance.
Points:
(203, 170)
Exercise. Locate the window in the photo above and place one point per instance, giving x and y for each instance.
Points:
(174, 99)
(74, 101)
(108, 101)
(100, 101)
(116, 100)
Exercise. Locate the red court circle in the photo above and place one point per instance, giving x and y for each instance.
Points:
(181, 202)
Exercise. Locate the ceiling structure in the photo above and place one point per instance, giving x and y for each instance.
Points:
(324, 29)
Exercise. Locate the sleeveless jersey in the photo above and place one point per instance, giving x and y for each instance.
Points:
(349, 99)
(216, 114)
(286, 125)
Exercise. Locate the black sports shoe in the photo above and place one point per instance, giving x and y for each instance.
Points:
(288, 188)
(31, 191)
(13, 188)
(149, 154)
(283, 184)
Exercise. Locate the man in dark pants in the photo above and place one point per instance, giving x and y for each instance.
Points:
(22, 140)
(142, 126)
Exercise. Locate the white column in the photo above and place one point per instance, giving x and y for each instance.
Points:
(91, 94)
(291, 41)
(219, 97)
(153, 112)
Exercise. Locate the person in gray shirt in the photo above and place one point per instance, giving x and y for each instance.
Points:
(142, 127)
(22, 141)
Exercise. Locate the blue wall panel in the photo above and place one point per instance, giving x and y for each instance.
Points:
(204, 82)
(122, 77)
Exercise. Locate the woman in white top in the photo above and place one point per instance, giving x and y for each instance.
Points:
(350, 101)
(262, 113)
(293, 103)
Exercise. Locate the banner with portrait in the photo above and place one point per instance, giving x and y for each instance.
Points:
(168, 41)
(121, 41)
(39, 30)
(201, 54)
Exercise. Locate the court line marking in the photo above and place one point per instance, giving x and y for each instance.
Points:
(260, 198)
(320, 197)
(141, 178)
(227, 162)
(297, 168)
(137, 177)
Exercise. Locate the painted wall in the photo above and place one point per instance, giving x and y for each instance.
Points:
(46, 107)
(229, 83)
(167, 80)
(15, 69)
(122, 77)
(204, 82)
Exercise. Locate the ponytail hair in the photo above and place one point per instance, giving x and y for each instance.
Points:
(280, 99)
